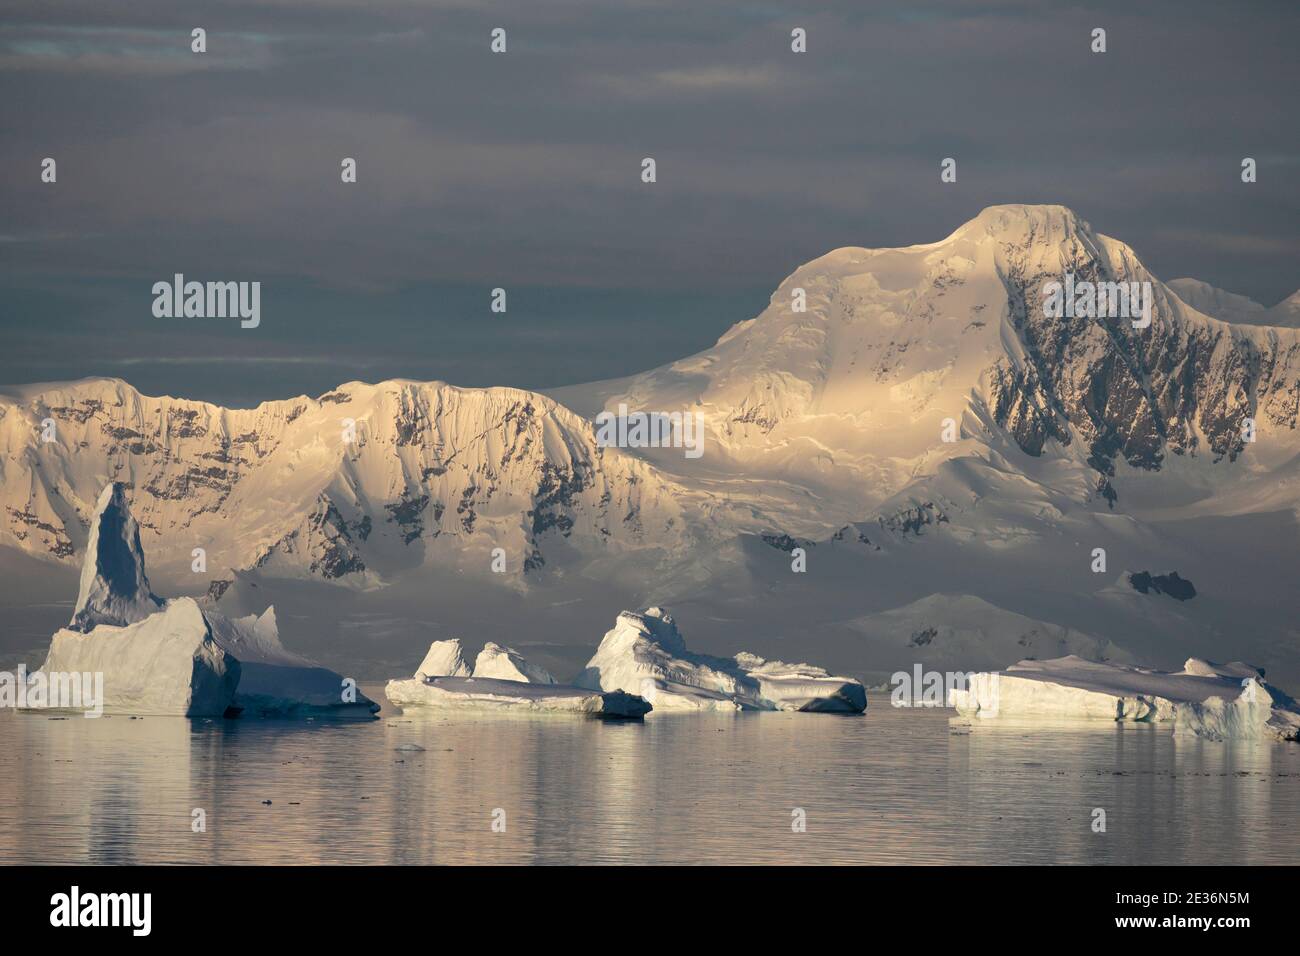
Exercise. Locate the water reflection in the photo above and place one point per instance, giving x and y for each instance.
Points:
(891, 787)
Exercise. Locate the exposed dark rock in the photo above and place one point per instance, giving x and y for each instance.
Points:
(57, 541)
(783, 542)
(84, 410)
(912, 520)
(1180, 589)
(1107, 491)
(407, 514)
(922, 637)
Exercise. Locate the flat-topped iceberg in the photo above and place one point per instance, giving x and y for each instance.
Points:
(644, 653)
(161, 657)
(1218, 701)
(488, 689)
(486, 693)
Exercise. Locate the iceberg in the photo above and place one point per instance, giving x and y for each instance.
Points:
(645, 653)
(275, 682)
(1216, 701)
(484, 693)
(114, 588)
(167, 663)
(445, 659)
(534, 690)
(505, 663)
(173, 657)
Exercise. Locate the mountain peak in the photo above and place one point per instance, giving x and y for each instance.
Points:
(1013, 221)
(114, 589)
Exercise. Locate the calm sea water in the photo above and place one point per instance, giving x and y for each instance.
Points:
(894, 786)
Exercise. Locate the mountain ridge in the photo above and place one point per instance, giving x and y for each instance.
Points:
(850, 392)
(924, 427)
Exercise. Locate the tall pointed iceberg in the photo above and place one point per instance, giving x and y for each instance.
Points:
(165, 657)
(114, 589)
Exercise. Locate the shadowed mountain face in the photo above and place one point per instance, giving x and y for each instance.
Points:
(918, 405)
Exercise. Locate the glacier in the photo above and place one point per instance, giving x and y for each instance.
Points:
(531, 690)
(173, 657)
(1219, 702)
(645, 653)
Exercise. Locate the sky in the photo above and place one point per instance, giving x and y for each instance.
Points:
(522, 170)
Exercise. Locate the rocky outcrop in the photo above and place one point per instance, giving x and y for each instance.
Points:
(1144, 582)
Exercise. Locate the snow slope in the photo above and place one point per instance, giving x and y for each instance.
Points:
(1231, 307)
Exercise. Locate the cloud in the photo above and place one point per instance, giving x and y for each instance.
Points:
(237, 360)
(118, 50)
(694, 81)
(524, 168)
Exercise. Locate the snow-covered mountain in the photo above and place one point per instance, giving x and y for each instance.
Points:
(923, 429)
(356, 486)
(1231, 307)
(851, 394)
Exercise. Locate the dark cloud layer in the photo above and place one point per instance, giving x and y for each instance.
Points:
(522, 170)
